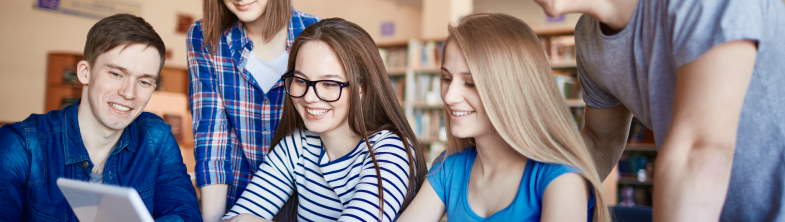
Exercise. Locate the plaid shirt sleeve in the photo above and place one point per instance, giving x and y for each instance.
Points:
(210, 125)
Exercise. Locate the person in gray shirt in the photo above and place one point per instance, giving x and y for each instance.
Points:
(705, 77)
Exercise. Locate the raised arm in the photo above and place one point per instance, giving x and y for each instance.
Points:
(605, 133)
(693, 167)
(211, 130)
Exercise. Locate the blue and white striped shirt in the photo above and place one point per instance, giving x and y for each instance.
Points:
(344, 189)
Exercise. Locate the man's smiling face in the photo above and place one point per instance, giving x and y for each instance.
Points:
(120, 83)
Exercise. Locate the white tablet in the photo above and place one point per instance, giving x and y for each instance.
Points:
(94, 202)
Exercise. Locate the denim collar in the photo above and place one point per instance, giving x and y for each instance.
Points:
(73, 146)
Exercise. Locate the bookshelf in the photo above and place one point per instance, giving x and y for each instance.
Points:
(635, 169)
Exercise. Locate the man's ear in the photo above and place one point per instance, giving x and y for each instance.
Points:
(83, 72)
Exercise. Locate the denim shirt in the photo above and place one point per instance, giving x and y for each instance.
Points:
(36, 152)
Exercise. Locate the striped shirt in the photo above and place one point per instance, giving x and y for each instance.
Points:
(344, 189)
(233, 119)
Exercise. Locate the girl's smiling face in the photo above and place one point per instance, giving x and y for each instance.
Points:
(461, 99)
(317, 61)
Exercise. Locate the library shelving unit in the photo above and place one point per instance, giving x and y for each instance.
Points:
(635, 169)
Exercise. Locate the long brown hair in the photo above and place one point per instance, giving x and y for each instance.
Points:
(217, 18)
(520, 96)
(377, 110)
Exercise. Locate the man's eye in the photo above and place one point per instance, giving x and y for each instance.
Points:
(114, 74)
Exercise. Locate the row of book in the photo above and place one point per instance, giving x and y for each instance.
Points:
(639, 133)
(429, 125)
(427, 89)
(430, 53)
(630, 196)
(398, 83)
(394, 57)
(636, 166)
(559, 48)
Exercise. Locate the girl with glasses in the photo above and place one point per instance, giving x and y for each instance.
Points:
(236, 56)
(514, 152)
(343, 147)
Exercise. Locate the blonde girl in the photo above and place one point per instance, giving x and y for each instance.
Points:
(514, 152)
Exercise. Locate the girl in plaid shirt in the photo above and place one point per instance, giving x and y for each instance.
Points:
(236, 56)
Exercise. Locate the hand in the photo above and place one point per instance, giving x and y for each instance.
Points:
(246, 218)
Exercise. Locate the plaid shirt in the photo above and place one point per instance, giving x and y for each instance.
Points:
(233, 119)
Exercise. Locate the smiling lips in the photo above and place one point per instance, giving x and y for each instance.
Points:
(317, 112)
(461, 113)
(119, 107)
(244, 7)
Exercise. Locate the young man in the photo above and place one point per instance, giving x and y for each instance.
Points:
(704, 76)
(107, 139)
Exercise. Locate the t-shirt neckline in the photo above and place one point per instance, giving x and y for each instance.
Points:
(465, 189)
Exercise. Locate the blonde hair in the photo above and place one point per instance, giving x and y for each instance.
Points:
(520, 96)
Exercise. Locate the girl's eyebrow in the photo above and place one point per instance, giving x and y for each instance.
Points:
(325, 76)
(462, 73)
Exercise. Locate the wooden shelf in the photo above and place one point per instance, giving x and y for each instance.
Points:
(429, 70)
(555, 31)
(423, 105)
(66, 85)
(563, 64)
(634, 181)
(392, 43)
(396, 71)
(641, 147)
(575, 103)
(430, 141)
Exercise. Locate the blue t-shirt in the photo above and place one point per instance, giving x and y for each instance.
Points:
(451, 180)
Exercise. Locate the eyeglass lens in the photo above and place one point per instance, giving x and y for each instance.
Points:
(326, 90)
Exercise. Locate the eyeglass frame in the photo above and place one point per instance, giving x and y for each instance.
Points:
(312, 84)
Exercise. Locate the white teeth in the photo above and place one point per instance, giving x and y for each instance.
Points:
(119, 107)
(317, 112)
(463, 113)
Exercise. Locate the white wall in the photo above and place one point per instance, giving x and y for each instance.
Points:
(27, 35)
(369, 14)
(528, 11)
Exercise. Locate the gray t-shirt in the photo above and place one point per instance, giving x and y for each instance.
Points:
(637, 68)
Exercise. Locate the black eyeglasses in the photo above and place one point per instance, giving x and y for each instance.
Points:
(326, 90)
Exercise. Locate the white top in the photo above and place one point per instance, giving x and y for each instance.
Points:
(344, 189)
(267, 73)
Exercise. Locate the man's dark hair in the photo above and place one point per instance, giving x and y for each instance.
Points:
(121, 29)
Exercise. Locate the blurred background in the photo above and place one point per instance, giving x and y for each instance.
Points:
(42, 40)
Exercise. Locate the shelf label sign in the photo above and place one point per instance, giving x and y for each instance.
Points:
(90, 8)
(388, 28)
(559, 18)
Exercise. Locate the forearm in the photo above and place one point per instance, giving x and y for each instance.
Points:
(213, 201)
(691, 181)
(605, 150)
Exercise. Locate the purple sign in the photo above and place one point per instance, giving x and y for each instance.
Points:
(49, 4)
(559, 18)
(388, 28)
